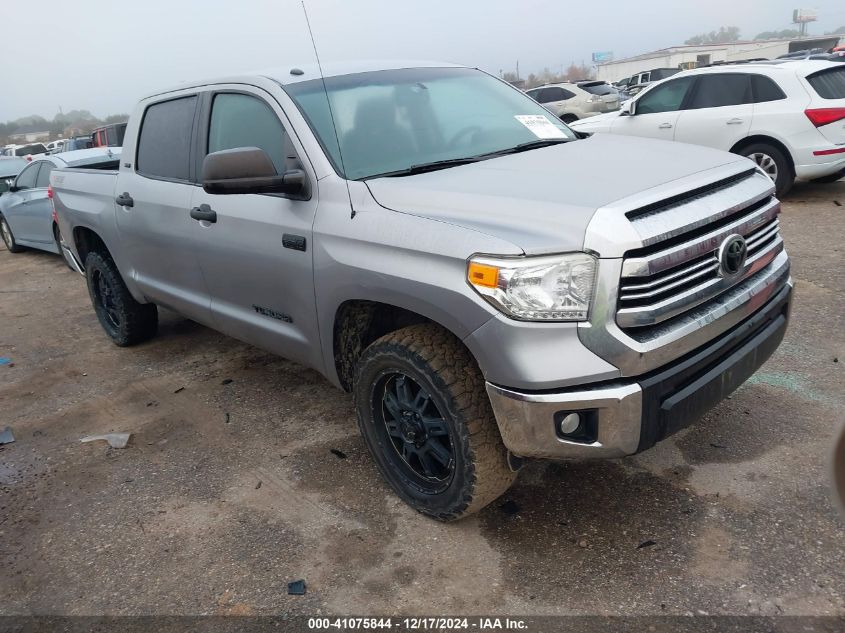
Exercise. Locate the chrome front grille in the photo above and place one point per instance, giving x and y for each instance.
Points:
(667, 279)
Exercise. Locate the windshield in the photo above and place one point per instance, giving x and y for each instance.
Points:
(598, 88)
(829, 84)
(391, 120)
(12, 166)
(30, 149)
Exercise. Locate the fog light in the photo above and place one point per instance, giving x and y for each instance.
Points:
(570, 424)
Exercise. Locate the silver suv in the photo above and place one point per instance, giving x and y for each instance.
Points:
(434, 241)
(574, 101)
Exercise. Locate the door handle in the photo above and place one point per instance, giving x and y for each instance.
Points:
(735, 122)
(204, 213)
(125, 200)
(664, 126)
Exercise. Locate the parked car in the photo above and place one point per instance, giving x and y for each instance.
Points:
(804, 54)
(437, 244)
(109, 135)
(32, 149)
(787, 116)
(53, 146)
(10, 167)
(638, 81)
(838, 56)
(26, 211)
(573, 101)
(75, 143)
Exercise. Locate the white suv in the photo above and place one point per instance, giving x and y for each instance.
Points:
(574, 101)
(787, 116)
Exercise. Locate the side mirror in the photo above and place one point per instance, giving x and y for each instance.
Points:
(14, 188)
(628, 108)
(248, 170)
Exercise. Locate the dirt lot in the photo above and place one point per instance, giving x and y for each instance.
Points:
(229, 491)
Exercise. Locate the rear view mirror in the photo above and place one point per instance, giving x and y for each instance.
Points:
(627, 108)
(248, 170)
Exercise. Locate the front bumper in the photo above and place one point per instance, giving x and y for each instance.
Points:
(632, 415)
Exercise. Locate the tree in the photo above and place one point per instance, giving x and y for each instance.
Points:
(839, 31)
(116, 118)
(577, 72)
(723, 35)
(778, 35)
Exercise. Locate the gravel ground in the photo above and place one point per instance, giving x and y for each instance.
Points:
(229, 491)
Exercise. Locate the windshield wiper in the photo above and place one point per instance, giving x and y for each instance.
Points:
(524, 147)
(454, 162)
(432, 166)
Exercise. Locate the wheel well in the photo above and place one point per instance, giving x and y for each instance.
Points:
(88, 242)
(753, 140)
(359, 323)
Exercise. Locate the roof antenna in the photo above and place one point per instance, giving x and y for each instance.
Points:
(329, 103)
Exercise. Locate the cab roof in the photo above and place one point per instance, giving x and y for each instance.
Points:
(282, 74)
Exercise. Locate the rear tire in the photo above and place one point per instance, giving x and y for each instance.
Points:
(9, 237)
(424, 413)
(831, 178)
(773, 161)
(126, 321)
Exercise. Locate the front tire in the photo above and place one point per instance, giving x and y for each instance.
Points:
(425, 416)
(772, 161)
(9, 237)
(126, 321)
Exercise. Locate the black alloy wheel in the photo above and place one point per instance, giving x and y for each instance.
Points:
(414, 426)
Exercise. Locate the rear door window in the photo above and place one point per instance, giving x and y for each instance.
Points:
(716, 91)
(764, 89)
(43, 179)
(164, 144)
(559, 94)
(240, 120)
(829, 84)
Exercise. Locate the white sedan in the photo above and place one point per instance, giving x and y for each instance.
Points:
(787, 116)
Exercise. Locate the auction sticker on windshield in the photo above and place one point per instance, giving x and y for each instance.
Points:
(540, 125)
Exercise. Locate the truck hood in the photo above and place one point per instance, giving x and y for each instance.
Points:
(542, 200)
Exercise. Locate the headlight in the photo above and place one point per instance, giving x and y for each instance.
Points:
(548, 288)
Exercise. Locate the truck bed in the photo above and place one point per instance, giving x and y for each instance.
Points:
(84, 198)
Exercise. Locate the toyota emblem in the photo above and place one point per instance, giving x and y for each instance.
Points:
(732, 255)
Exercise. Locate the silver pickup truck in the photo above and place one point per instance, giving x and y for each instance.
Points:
(491, 286)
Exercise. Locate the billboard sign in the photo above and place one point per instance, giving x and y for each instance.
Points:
(602, 57)
(802, 16)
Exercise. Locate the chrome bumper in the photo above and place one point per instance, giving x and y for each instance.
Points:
(633, 414)
(526, 421)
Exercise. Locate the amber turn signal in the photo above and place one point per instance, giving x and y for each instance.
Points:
(483, 275)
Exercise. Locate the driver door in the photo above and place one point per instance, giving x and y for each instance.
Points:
(656, 112)
(256, 252)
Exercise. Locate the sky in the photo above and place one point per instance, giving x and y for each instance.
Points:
(103, 55)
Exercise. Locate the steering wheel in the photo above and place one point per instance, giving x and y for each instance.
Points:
(470, 129)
